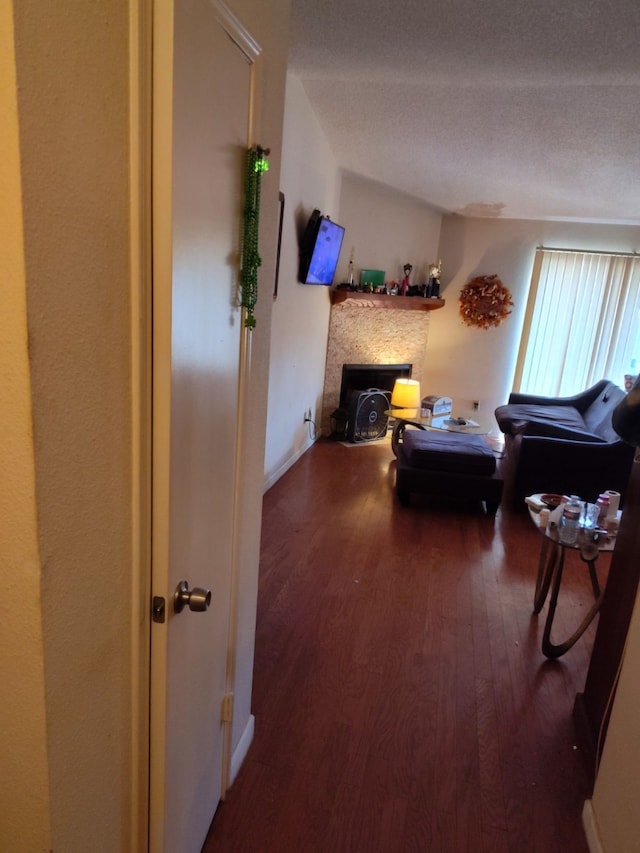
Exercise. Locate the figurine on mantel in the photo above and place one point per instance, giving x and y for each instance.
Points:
(351, 276)
(433, 285)
(405, 281)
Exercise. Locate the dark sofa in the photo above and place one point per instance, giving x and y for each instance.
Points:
(564, 445)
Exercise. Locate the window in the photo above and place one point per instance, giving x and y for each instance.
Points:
(582, 322)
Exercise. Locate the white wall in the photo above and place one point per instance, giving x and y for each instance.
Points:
(386, 229)
(300, 314)
(24, 788)
(615, 797)
(269, 24)
(73, 99)
(467, 363)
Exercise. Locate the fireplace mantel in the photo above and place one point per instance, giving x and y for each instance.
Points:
(363, 331)
(383, 300)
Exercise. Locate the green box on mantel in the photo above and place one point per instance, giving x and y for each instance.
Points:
(372, 277)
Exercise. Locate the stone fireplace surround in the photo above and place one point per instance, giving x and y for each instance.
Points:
(360, 333)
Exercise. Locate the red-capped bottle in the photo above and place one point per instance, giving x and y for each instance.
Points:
(603, 503)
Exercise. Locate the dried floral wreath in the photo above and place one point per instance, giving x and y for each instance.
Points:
(485, 302)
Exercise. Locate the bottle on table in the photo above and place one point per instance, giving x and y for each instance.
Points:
(570, 521)
(603, 503)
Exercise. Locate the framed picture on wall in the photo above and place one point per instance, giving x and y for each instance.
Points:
(279, 243)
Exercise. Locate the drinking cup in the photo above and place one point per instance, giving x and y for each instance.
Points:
(590, 515)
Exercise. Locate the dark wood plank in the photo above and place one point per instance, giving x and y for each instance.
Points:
(402, 701)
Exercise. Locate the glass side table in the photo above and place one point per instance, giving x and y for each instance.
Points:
(473, 426)
(590, 543)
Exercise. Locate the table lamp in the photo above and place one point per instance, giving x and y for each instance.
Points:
(405, 398)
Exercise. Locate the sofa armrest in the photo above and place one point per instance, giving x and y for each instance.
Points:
(580, 401)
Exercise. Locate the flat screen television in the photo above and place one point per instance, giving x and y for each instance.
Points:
(319, 250)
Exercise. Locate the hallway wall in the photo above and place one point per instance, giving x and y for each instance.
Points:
(24, 789)
(73, 580)
(73, 100)
(300, 313)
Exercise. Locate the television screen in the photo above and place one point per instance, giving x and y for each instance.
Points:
(320, 250)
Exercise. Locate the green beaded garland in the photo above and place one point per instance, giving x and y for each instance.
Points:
(256, 164)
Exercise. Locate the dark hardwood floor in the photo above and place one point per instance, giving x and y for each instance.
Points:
(402, 702)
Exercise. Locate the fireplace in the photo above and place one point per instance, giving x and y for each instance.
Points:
(360, 377)
(357, 378)
(361, 336)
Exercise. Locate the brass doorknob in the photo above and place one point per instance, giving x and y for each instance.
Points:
(196, 599)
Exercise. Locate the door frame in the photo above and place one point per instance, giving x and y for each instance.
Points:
(140, 270)
(160, 175)
(252, 52)
(151, 36)
(151, 190)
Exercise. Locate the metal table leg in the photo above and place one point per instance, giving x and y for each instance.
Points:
(555, 650)
(398, 432)
(550, 553)
(396, 435)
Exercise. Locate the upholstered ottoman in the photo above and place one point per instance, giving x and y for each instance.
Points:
(449, 465)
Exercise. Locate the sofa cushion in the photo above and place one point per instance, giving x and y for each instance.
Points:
(448, 451)
(552, 421)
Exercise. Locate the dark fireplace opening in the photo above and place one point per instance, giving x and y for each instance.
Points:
(357, 379)
(361, 377)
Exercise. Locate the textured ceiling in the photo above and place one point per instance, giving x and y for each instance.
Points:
(481, 107)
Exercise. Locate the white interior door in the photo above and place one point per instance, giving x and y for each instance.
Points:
(201, 126)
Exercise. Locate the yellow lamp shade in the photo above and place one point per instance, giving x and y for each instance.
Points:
(405, 398)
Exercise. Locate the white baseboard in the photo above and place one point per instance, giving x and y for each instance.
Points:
(591, 828)
(241, 750)
(275, 476)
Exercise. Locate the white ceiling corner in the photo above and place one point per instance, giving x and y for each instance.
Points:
(495, 108)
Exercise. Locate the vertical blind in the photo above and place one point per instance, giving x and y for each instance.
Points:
(582, 322)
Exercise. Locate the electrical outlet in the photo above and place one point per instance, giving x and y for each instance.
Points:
(307, 416)
(476, 405)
